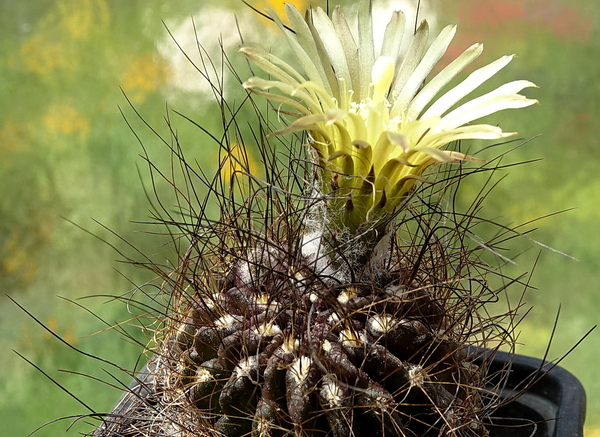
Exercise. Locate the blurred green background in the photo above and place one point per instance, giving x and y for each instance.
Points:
(66, 152)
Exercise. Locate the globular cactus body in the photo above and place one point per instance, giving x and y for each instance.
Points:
(268, 351)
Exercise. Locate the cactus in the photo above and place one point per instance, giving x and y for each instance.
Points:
(340, 295)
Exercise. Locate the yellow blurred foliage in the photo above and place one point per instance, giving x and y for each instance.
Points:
(52, 44)
(12, 138)
(64, 119)
(41, 55)
(239, 159)
(592, 432)
(65, 333)
(83, 18)
(278, 6)
(52, 325)
(16, 259)
(144, 74)
(18, 254)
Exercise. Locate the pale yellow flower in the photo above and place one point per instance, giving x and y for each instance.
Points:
(371, 115)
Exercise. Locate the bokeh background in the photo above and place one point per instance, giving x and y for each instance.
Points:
(68, 159)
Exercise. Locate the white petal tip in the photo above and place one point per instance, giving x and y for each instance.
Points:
(529, 102)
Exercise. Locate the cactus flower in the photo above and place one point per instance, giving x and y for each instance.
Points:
(373, 119)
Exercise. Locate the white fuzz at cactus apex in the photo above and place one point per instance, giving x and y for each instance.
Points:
(371, 114)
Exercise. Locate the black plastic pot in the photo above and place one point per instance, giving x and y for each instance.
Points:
(553, 405)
